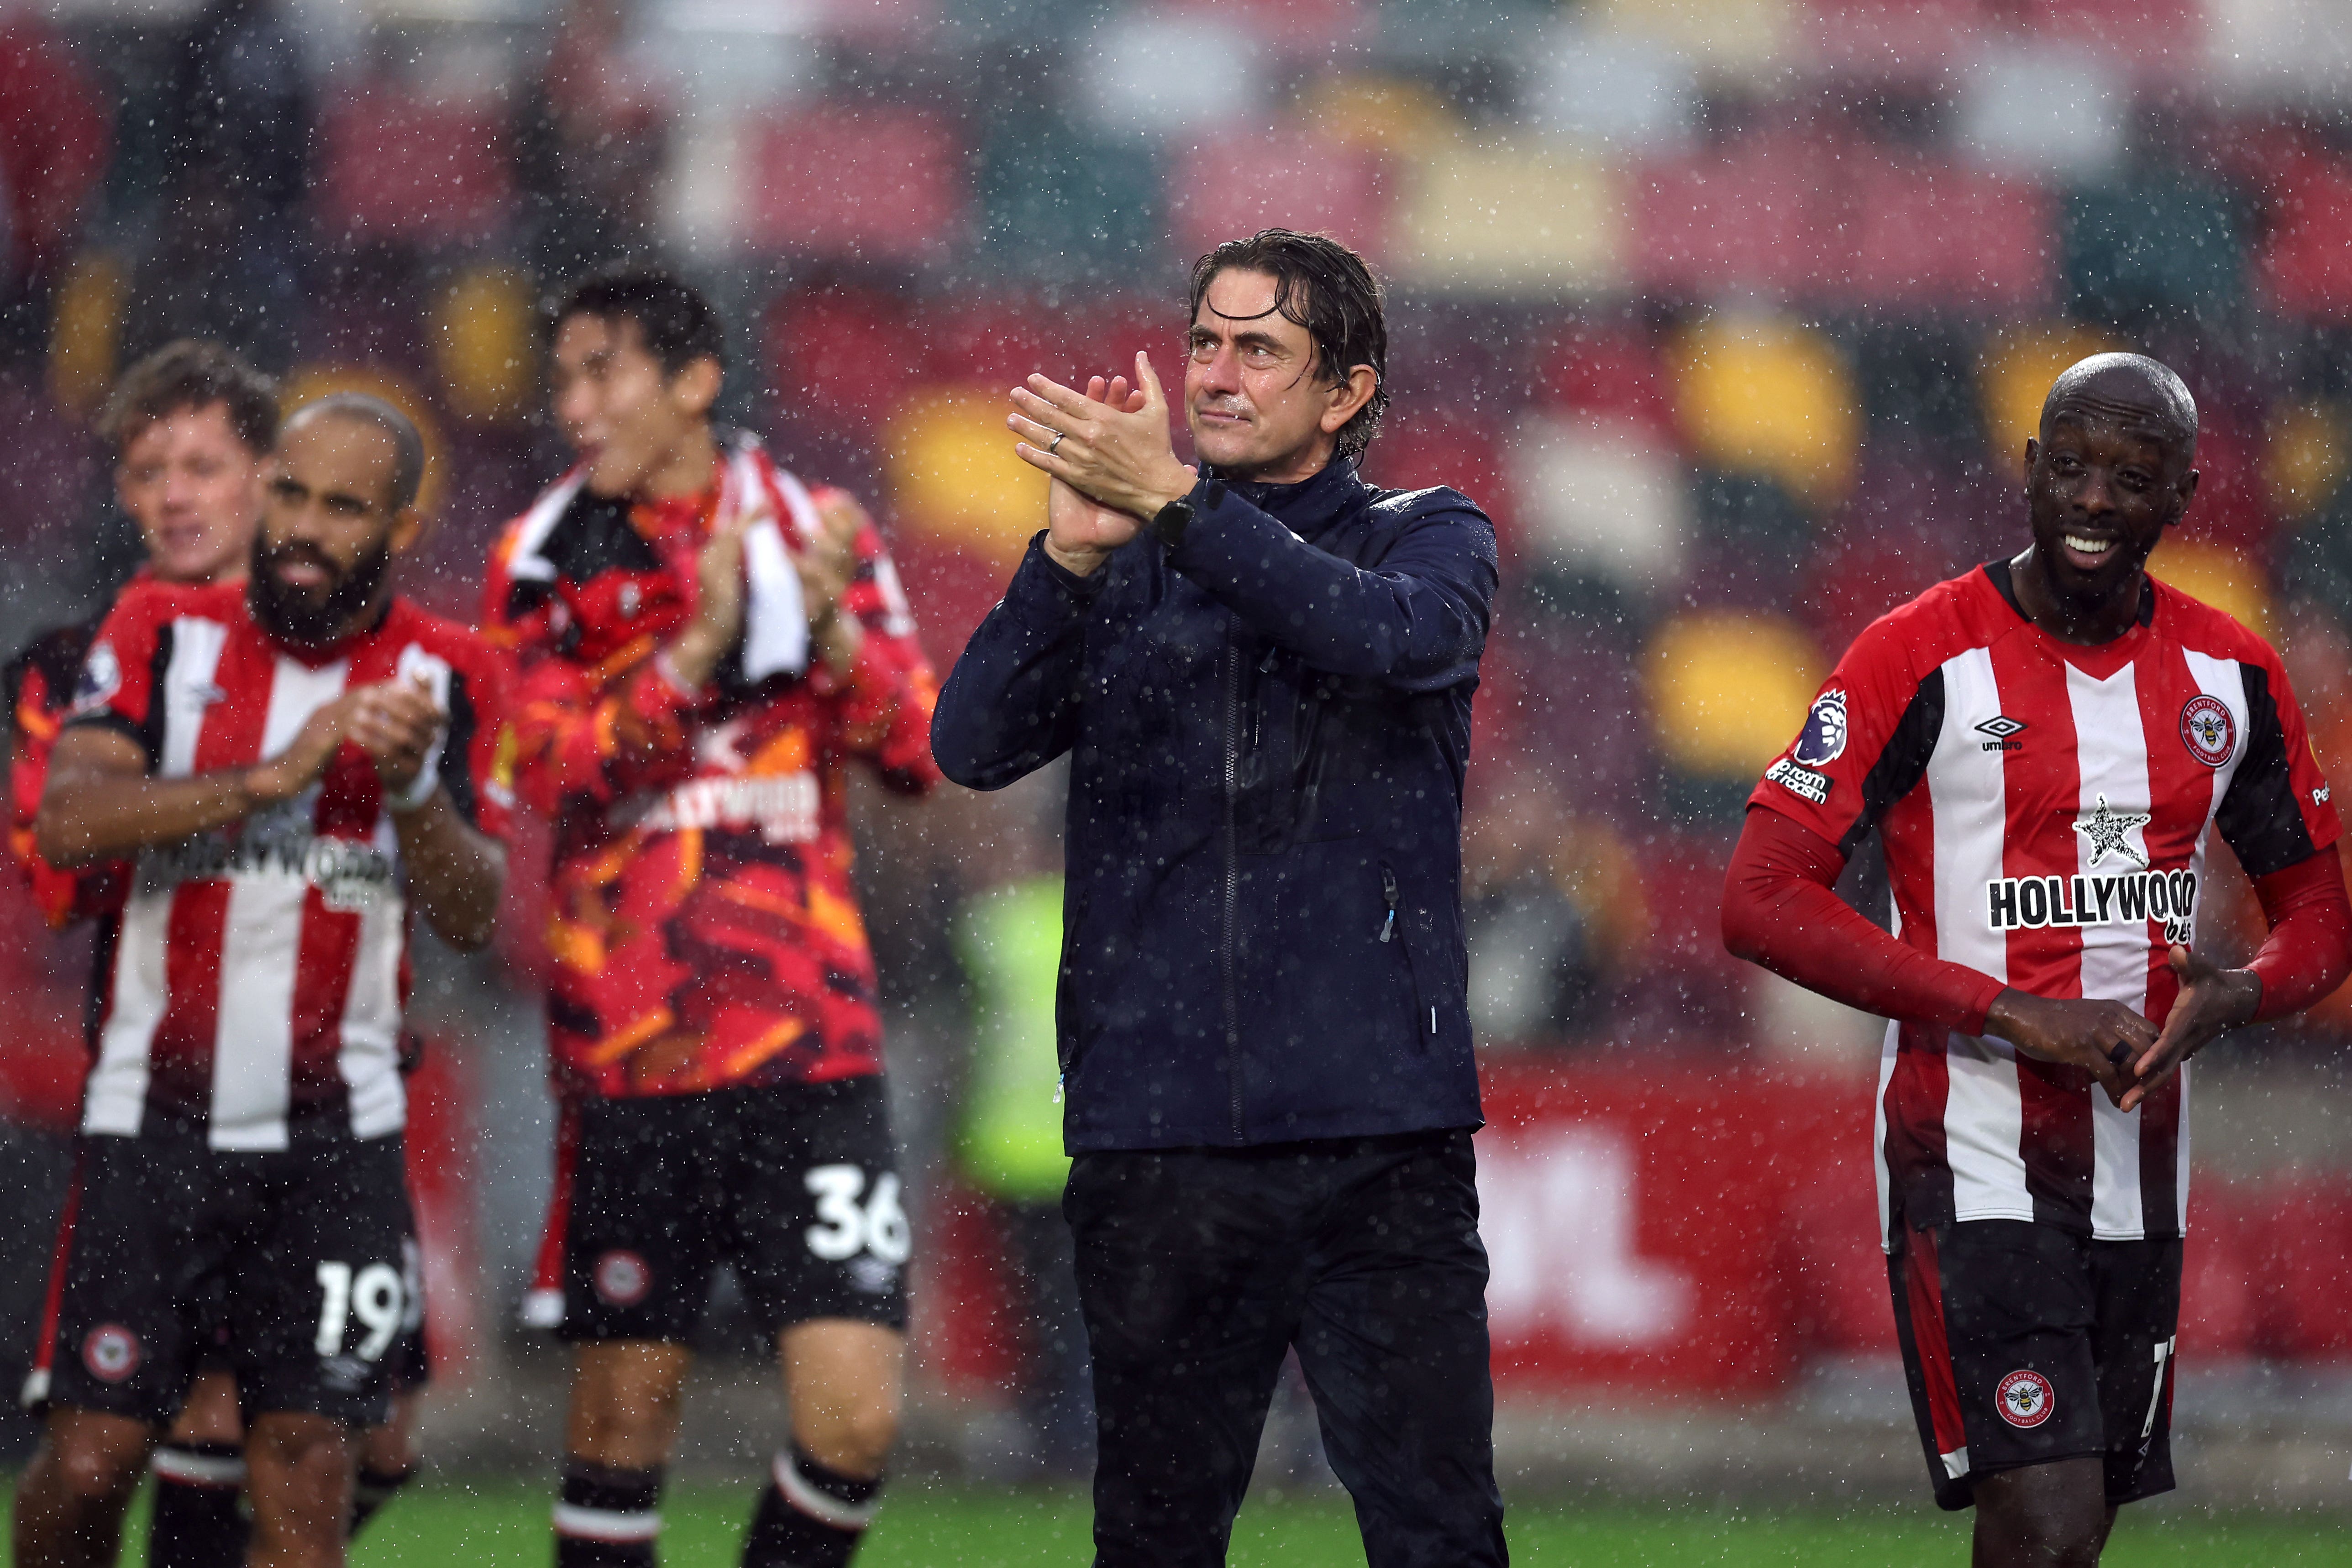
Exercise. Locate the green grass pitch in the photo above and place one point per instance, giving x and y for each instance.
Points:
(503, 1524)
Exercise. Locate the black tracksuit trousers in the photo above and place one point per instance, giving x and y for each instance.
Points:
(1198, 1269)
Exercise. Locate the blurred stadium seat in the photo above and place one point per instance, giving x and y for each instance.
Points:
(2013, 378)
(1606, 518)
(866, 183)
(486, 345)
(954, 477)
(2304, 265)
(395, 168)
(1766, 395)
(851, 352)
(1490, 217)
(2223, 578)
(1929, 233)
(1222, 186)
(1727, 690)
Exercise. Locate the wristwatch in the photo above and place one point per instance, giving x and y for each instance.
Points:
(1171, 521)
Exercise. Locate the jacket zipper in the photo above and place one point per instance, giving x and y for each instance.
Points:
(1230, 957)
(1421, 1004)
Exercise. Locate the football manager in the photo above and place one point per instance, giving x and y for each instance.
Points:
(1262, 670)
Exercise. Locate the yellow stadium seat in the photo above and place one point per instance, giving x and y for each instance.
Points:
(307, 384)
(1389, 114)
(2303, 456)
(485, 345)
(1727, 691)
(2014, 375)
(954, 477)
(2222, 578)
(1731, 36)
(1764, 395)
(1500, 216)
(85, 330)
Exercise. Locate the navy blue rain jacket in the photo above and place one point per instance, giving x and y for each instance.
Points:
(1267, 726)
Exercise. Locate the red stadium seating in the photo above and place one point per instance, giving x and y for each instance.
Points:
(1237, 185)
(2158, 39)
(1929, 233)
(864, 183)
(1747, 218)
(2306, 265)
(396, 168)
(850, 351)
(1916, 41)
(1607, 371)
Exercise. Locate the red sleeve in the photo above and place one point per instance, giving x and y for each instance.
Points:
(2309, 950)
(118, 677)
(1864, 744)
(2277, 811)
(886, 702)
(477, 759)
(1780, 910)
(62, 896)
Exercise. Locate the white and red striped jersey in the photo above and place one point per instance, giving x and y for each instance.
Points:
(2045, 810)
(253, 985)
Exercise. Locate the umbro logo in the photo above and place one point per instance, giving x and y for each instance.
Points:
(1999, 729)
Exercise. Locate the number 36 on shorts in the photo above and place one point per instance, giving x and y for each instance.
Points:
(851, 1220)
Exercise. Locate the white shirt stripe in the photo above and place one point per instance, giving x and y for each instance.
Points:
(253, 1048)
(114, 1101)
(1983, 1114)
(2111, 749)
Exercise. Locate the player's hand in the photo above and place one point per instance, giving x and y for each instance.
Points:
(1079, 533)
(827, 564)
(398, 723)
(297, 767)
(2212, 1000)
(2101, 1038)
(1118, 454)
(719, 605)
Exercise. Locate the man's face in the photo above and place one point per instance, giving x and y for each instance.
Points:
(1251, 391)
(618, 408)
(329, 532)
(2101, 489)
(194, 489)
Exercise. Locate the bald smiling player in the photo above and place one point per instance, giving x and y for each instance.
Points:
(2046, 746)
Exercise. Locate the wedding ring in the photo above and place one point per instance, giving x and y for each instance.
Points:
(1056, 442)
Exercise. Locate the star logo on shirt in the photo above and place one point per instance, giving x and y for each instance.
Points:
(2107, 832)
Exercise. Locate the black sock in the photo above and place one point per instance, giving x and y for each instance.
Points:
(199, 1520)
(606, 1518)
(809, 1516)
(376, 1487)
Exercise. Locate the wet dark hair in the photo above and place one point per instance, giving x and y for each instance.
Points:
(673, 321)
(188, 375)
(1324, 287)
(407, 443)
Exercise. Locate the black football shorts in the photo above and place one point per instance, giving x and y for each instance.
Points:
(2024, 1345)
(287, 1267)
(796, 1186)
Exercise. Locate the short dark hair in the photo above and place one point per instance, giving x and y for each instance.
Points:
(2155, 384)
(1324, 287)
(674, 321)
(407, 442)
(186, 375)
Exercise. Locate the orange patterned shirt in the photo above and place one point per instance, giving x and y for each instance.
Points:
(702, 930)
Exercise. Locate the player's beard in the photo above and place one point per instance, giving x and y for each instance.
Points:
(303, 619)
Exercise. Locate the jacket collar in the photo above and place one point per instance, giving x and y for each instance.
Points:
(1310, 505)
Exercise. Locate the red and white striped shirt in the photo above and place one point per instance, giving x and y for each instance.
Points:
(2045, 810)
(253, 985)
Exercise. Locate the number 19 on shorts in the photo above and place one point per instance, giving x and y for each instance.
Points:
(375, 1295)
